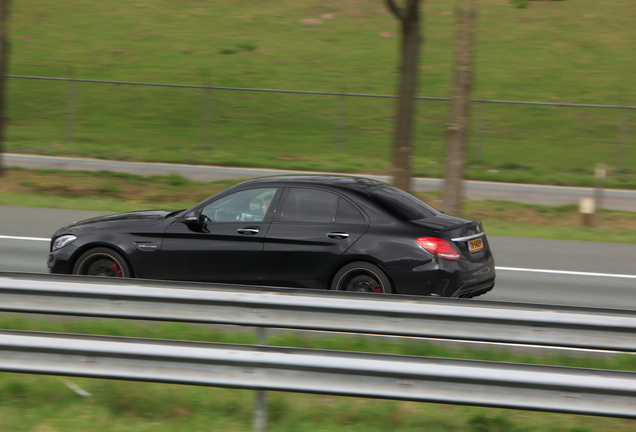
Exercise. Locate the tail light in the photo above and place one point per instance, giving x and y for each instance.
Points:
(439, 247)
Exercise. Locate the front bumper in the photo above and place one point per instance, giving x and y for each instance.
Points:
(60, 261)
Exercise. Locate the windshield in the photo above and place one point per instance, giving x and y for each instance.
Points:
(403, 205)
(174, 213)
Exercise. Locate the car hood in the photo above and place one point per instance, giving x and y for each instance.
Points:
(138, 219)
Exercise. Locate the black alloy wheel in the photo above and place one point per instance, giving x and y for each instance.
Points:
(101, 262)
(361, 277)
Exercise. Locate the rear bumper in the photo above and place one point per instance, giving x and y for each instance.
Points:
(474, 290)
(445, 278)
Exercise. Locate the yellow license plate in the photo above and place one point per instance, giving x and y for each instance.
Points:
(475, 245)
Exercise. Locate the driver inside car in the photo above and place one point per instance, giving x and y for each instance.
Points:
(266, 202)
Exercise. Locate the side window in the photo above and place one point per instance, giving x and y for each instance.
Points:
(309, 205)
(348, 214)
(246, 205)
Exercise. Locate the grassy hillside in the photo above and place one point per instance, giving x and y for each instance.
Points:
(573, 51)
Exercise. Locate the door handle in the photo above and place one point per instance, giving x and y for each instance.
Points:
(338, 235)
(247, 231)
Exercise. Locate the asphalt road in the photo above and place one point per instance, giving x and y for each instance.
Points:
(529, 194)
(530, 270)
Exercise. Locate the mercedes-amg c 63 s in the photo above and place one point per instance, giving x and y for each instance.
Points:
(323, 232)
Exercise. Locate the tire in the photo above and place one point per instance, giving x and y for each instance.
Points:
(103, 262)
(361, 277)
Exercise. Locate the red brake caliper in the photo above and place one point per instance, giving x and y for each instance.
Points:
(377, 289)
(115, 268)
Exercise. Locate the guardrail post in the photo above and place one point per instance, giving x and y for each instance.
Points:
(260, 404)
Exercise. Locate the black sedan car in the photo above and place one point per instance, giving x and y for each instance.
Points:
(324, 232)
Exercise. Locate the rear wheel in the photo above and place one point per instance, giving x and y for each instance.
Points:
(101, 262)
(361, 277)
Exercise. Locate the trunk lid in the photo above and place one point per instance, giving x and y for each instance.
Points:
(468, 236)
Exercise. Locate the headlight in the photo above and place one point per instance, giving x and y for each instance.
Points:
(62, 241)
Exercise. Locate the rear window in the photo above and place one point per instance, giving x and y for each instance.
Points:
(309, 205)
(348, 214)
(402, 204)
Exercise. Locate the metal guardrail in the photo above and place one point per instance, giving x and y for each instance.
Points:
(465, 382)
(491, 384)
(456, 319)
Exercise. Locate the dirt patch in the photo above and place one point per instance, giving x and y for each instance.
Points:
(311, 21)
(125, 188)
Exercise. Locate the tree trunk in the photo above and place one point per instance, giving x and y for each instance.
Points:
(459, 124)
(4, 59)
(410, 22)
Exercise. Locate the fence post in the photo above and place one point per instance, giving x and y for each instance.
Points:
(71, 109)
(478, 133)
(260, 404)
(621, 138)
(341, 121)
(206, 112)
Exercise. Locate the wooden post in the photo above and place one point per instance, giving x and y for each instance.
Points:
(586, 207)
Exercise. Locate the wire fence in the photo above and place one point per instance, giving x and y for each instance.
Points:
(306, 92)
(344, 112)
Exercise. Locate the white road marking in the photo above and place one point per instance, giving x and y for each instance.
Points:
(515, 269)
(25, 238)
(565, 272)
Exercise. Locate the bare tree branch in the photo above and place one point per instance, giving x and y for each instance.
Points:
(397, 11)
(412, 7)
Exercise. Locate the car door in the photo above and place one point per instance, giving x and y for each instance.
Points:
(221, 241)
(313, 227)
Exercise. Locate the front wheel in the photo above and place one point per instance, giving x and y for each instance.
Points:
(361, 277)
(101, 262)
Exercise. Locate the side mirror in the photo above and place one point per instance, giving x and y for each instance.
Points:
(191, 220)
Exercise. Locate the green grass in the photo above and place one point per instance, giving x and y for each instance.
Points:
(567, 51)
(498, 227)
(31, 403)
(40, 403)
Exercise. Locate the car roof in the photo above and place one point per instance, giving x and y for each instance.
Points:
(344, 182)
